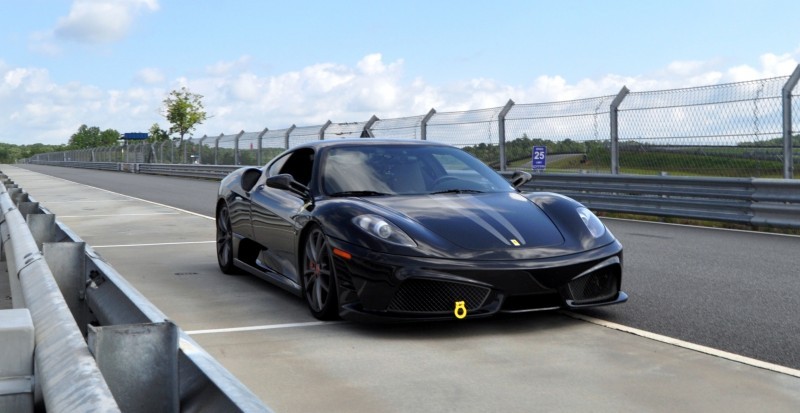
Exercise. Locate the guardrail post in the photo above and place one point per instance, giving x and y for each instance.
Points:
(27, 208)
(236, 155)
(322, 130)
(260, 146)
(367, 133)
(67, 262)
(140, 364)
(17, 298)
(286, 136)
(423, 125)
(42, 226)
(614, 113)
(501, 132)
(788, 151)
(16, 361)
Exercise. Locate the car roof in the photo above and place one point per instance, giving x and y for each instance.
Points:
(366, 141)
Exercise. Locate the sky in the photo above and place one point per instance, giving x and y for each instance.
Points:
(270, 64)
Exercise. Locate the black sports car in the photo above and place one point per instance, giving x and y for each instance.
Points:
(402, 229)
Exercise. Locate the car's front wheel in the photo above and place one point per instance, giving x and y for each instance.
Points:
(319, 277)
(225, 242)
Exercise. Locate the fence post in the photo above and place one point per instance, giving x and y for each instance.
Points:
(367, 133)
(260, 146)
(423, 126)
(183, 143)
(788, 151)
(286, 136)
(501, 132)
(236, 155)
(322, 130)
(216, 148)
(200, 152)
(614, 113)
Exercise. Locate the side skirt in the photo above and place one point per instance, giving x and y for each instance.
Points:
(271, 277)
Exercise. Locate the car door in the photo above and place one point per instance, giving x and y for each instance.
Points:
(239, 206)
(275, 214)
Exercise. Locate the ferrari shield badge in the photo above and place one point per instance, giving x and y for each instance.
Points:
(515, 242)
(461, 310)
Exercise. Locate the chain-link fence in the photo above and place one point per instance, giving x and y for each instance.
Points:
(725, 130)
(575, 133)
(740, 129)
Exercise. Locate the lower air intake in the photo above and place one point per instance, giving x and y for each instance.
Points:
(418, 295)
(600, 285)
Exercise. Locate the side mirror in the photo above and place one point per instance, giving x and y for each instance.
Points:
(250, 178)
(286, 182)
(520, 178)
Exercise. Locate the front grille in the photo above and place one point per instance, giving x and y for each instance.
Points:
(597, 286)
(418, 295)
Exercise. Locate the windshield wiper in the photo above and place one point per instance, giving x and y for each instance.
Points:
(359, 193)
(458, 191)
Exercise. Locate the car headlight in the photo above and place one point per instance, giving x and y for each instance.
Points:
(383, 230)
(591, 221)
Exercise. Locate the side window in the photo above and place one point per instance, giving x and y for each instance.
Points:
(276, 166)
(299, 164)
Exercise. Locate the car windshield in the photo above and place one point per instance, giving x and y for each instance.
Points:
(376, 170)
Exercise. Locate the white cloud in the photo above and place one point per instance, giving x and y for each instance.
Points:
(150, 76)
(771, 66)
(43, 43)
(222, 68)
(101, 21)
(34, 108)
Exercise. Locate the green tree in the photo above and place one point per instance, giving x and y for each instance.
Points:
(184, 111)
(10, 153)
(156, 134)
(92, 137)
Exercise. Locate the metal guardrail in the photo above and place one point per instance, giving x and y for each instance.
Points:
(68, 376)
(96, 302)
(748, 201)
(107, 166)
(189, 171)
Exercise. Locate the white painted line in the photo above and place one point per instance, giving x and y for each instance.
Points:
(118, 215)
(91, 201)
(265, 327)
(687, 345)
(702, 227)
(128, 197)
(153, 245)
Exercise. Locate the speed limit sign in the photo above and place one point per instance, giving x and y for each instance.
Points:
(539, 157)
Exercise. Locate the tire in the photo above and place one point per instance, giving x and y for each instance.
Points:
(319, 276)
(225, 242)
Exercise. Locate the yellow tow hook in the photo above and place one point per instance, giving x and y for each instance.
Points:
(460, 310)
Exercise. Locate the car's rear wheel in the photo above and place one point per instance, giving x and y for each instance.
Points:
(225, 242)
(319, 276)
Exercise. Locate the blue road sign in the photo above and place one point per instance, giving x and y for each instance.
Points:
(134, 135)
(539, 157)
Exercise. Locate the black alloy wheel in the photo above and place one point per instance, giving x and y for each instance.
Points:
(319, 278)
(225, 242)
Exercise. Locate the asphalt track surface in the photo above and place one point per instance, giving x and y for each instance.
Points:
(729, 290)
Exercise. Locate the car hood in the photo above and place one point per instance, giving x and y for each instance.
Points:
(488, 221)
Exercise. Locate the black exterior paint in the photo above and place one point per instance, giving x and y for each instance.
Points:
(463, 240)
